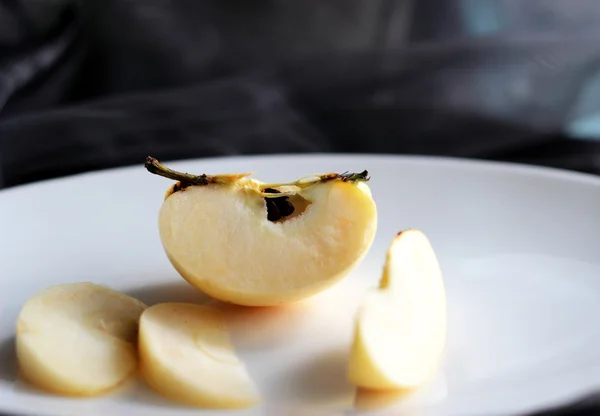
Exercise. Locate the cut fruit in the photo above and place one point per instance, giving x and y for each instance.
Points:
(186, 355)
(254, 244)
(78, 339)
(400, 329)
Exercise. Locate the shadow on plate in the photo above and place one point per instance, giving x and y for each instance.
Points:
(178, 291)
(9, 369)
(265, 327)
(323, 380)
(403, 401)
(138, 391)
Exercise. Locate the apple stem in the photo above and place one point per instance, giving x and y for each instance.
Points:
(154, 166)
(311, 180)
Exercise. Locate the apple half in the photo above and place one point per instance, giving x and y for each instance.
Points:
(78, 339)
(249, 243)
(400, 328)
(186, 355)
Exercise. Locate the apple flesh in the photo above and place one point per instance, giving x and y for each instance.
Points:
(218, 236)
(78, 339)
(186, 355)
(400, 328)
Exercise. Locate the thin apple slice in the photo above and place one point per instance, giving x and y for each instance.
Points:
(400, 329)
(186, 355)
(78, 339)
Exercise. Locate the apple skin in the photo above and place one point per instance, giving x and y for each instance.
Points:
(218, 239)
(186, 355)
(78, 339)
(400, 327)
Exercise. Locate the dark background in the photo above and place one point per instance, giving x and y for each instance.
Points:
(93, 84)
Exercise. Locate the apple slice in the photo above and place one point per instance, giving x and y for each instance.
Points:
(400, 328)
(186, 355)
(254, 244)
(78, 339)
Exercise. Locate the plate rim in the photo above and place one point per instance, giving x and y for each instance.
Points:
(450, 161)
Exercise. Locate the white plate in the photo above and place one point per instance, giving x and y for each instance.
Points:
(519, 247)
